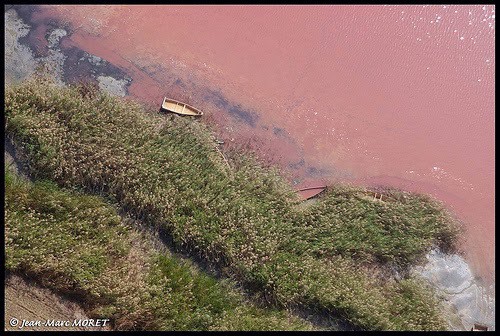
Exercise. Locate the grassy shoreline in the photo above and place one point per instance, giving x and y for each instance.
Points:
(78, 246)
(244, 223)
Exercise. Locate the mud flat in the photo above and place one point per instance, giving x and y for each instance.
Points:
(19, 59)
(26, 50)
(468, 300)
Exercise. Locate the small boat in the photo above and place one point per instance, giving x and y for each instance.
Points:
(310, 192)
(174, 106)
(479, 327)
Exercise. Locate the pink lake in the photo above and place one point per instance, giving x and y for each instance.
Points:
(393, 95)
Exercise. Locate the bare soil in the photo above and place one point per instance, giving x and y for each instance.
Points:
(27, 301)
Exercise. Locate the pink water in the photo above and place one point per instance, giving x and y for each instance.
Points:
(395, 95)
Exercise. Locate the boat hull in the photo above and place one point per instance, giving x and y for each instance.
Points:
(174, 106)
(307, 193)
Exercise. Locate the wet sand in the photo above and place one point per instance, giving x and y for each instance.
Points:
(394, 95)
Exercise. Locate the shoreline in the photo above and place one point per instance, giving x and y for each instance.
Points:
(408, 205)
(120, 84)
(255, 119)
(437, 271)
(227, 133)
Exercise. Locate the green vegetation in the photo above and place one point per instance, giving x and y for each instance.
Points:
(166, 172)
(77, 244)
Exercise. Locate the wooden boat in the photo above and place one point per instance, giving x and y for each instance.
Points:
(479, 327)
(310, 192)
(174, 106)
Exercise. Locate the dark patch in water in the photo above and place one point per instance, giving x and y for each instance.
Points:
(159, 74)
(35, 38)
(180, 83)
(316, 172)
(297, 165)
(78, 66)
(236, 111)
(41, 27)
(278, 131)
(246, 116)
(25, 12)
(154, 71)
(74, 69)
(217, 99)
